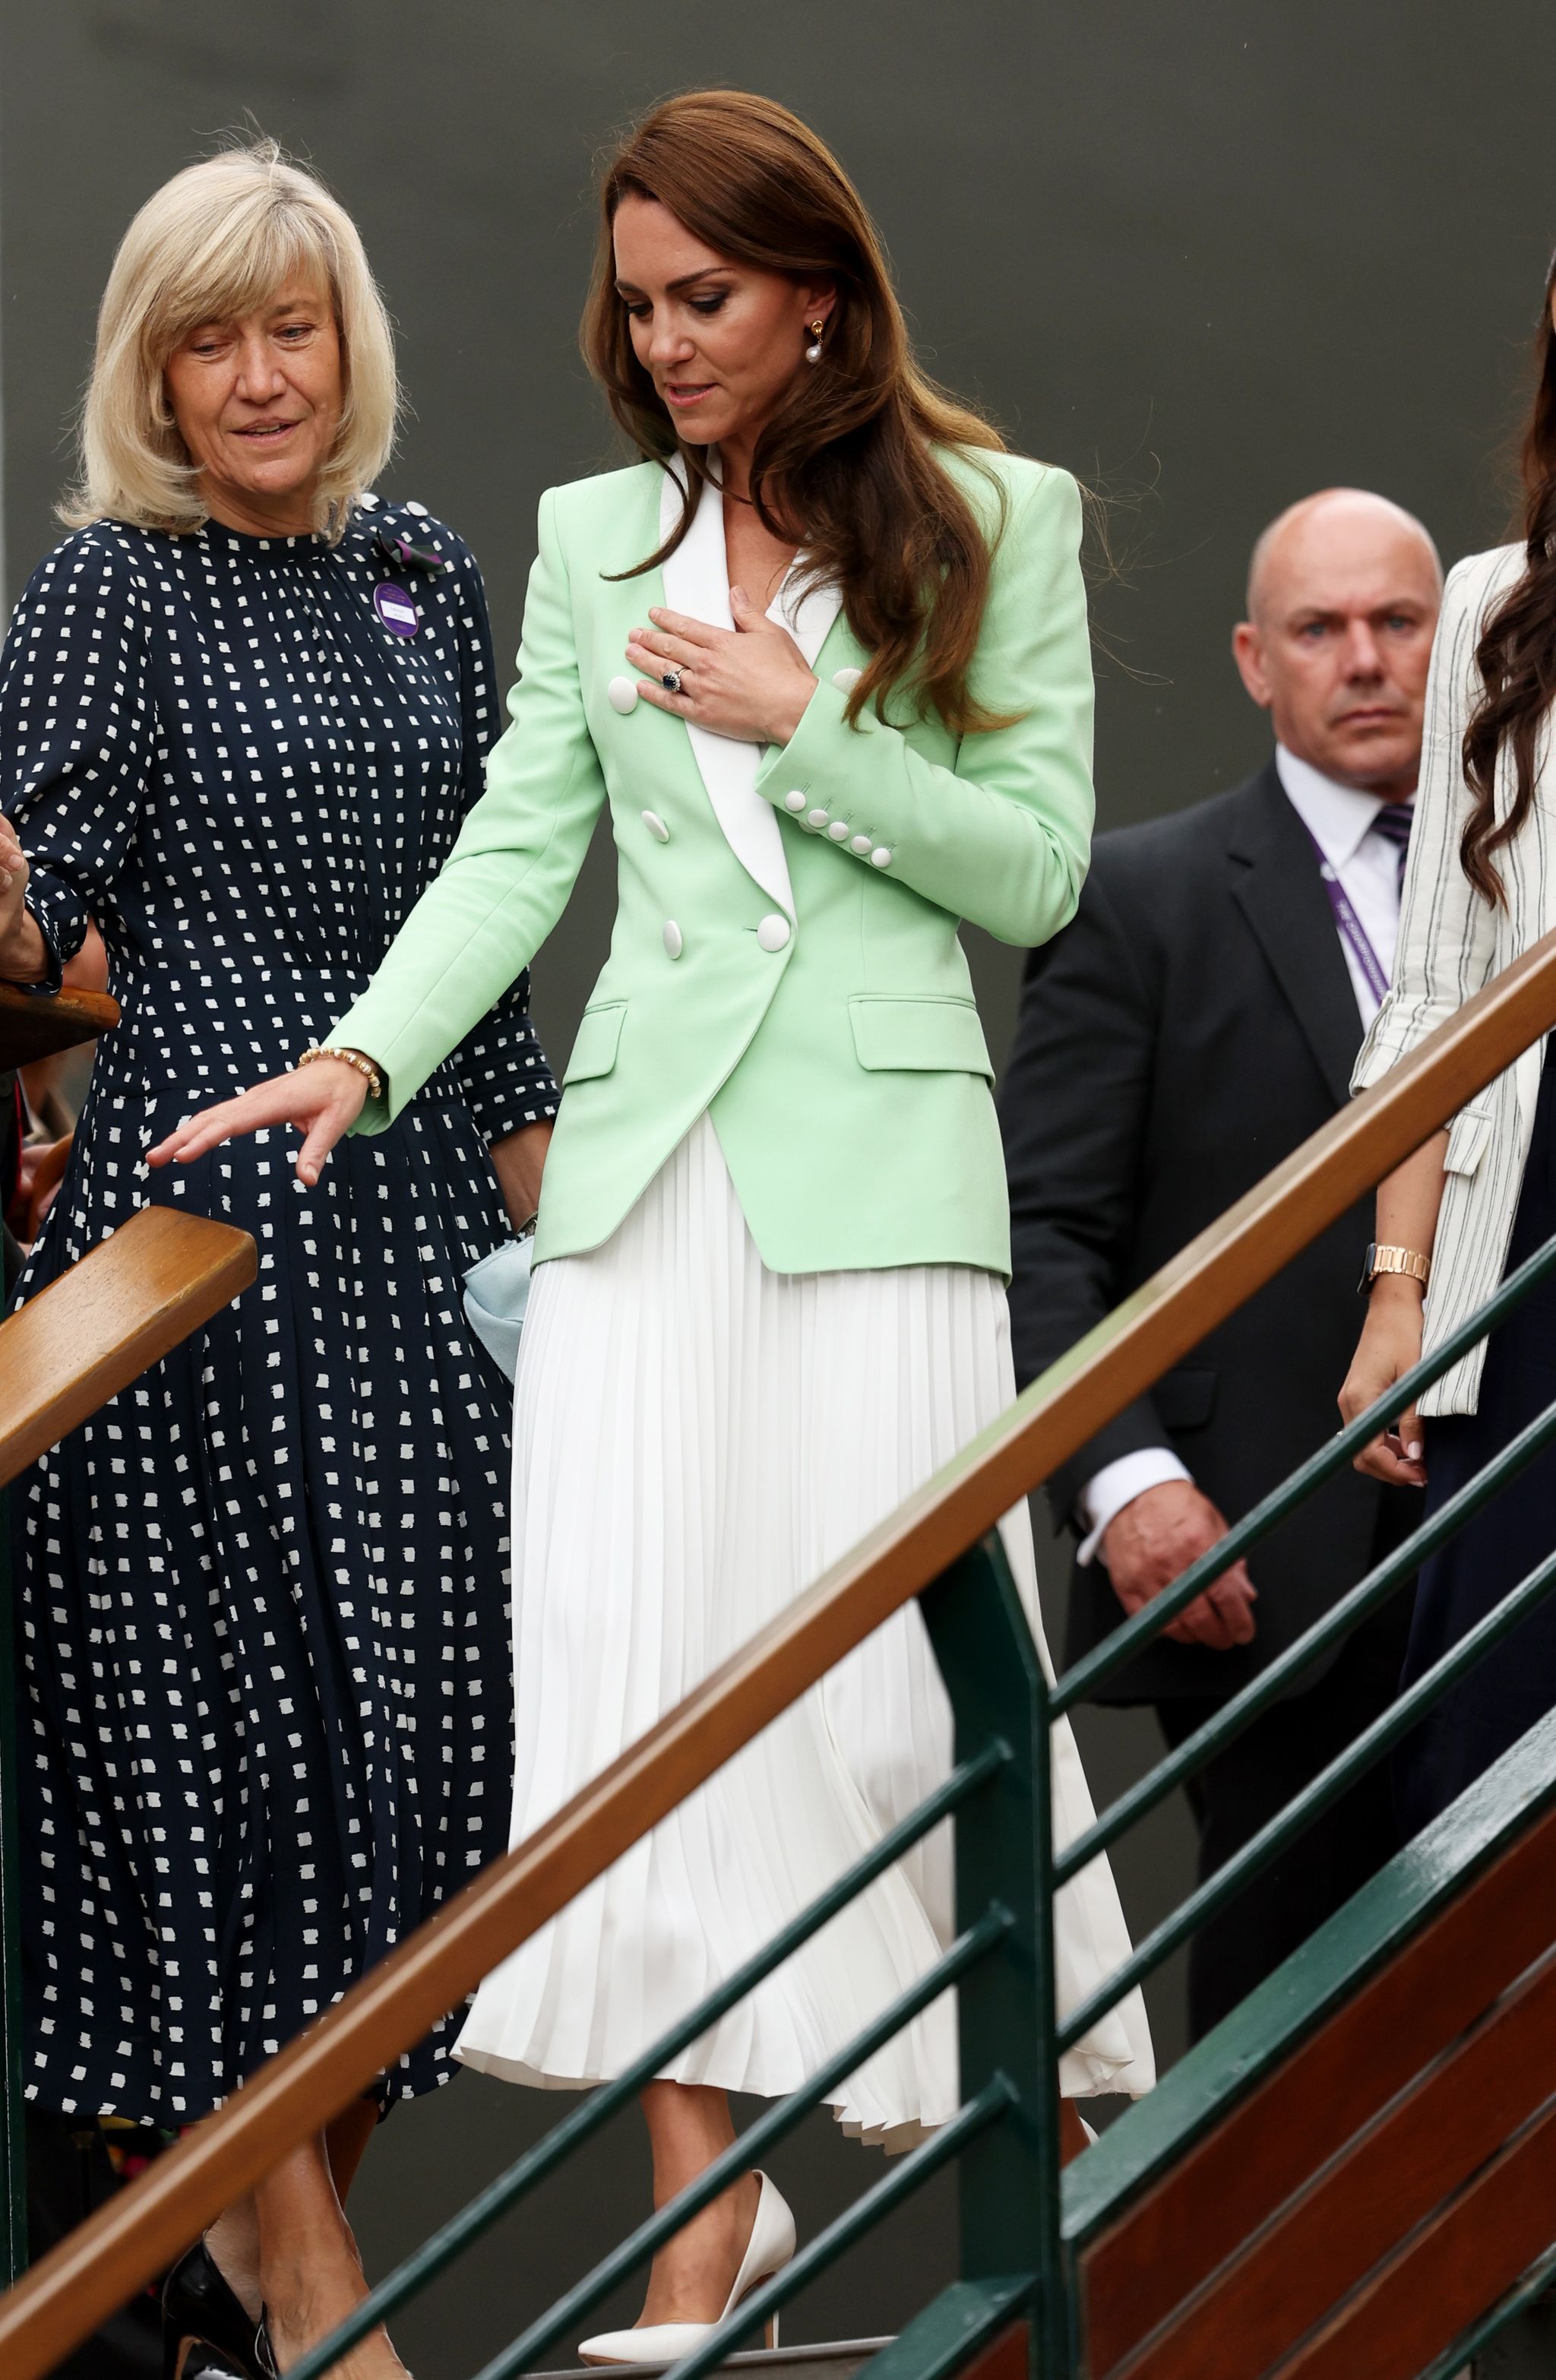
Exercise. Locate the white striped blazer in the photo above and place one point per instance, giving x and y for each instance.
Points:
(1451, 943)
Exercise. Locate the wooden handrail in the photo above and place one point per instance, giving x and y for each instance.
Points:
(100, 1324)
(142, 2230)
(39, 1024)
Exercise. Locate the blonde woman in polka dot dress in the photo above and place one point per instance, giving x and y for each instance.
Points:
(243, 710)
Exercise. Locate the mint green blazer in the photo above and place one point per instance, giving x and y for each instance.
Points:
(785, 954)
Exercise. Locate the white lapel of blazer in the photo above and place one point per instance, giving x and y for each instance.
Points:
(695, 581)
(809, 617)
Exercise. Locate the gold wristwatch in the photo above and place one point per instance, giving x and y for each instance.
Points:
(1385, 1259)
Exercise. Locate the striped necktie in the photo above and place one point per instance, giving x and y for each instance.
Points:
(1393, 823)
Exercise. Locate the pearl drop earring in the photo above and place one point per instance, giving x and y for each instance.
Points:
(813, 352)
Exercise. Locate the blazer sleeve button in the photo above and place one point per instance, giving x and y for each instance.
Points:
(881, 858)
(818, 818)
(861, 844)
(838, 831)
(795, 802)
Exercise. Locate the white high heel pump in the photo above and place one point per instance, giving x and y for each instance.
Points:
(768, 2249)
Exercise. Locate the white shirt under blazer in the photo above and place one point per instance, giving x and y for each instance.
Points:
(1450, 943)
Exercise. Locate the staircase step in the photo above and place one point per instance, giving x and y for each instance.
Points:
(837, 2359)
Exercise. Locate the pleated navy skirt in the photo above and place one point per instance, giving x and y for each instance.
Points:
(1514, 1684)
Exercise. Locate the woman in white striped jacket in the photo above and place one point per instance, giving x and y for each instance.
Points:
(1481, 1197)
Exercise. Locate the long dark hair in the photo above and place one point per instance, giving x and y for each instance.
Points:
(848, 465)
(1516, 655)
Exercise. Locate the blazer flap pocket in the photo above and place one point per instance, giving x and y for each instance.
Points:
(1468, 1136)
(918, 1035)
(1186, 1399)
(594, 1050)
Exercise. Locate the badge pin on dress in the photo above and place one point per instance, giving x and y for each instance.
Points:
(396, 608)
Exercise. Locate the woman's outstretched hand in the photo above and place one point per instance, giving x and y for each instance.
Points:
(1389, 1347)
(323, 1099)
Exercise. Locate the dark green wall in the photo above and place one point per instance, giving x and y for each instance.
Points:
(1210, 258)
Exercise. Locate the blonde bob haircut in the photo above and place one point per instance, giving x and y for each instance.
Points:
(214, 244)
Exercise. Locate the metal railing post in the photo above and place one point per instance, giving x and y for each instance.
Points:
(13, 2116)
(1010, 2175)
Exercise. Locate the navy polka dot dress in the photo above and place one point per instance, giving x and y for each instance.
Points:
(262, 1595)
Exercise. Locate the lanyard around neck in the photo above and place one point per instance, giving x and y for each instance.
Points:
(1349, 927)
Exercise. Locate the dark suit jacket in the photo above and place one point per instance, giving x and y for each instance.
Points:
(1192, 1025)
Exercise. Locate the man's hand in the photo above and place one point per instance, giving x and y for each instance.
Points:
(1154, 1541)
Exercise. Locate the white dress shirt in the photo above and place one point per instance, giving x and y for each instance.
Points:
(1339, 819)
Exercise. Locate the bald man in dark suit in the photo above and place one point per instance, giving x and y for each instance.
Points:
(1198, 1020)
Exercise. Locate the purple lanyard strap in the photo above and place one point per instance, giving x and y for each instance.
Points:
(1347, 924)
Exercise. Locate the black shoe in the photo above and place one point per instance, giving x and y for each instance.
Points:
(200, 2311)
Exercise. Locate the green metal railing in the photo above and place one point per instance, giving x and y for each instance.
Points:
(1005, 2141)
(1345, 1616)
(1012, 2035)
(1005, 2137)
(1387, 1578)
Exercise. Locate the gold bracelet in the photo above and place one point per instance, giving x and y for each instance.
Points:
(1404, 1261)
(349, 1058)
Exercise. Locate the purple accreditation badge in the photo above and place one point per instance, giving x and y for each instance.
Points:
(396, 608)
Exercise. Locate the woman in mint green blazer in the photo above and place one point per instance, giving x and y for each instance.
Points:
(823, 651)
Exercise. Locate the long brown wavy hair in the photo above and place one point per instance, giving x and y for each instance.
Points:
(847, 466)
(1516, 655)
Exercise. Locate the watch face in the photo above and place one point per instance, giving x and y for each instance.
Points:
(1365, 1282)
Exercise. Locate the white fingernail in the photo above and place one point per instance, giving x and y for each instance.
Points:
(1414, 1449)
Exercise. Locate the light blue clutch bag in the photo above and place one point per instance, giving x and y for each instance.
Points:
(496, 1292)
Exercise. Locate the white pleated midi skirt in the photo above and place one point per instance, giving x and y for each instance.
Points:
(695, 1440)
